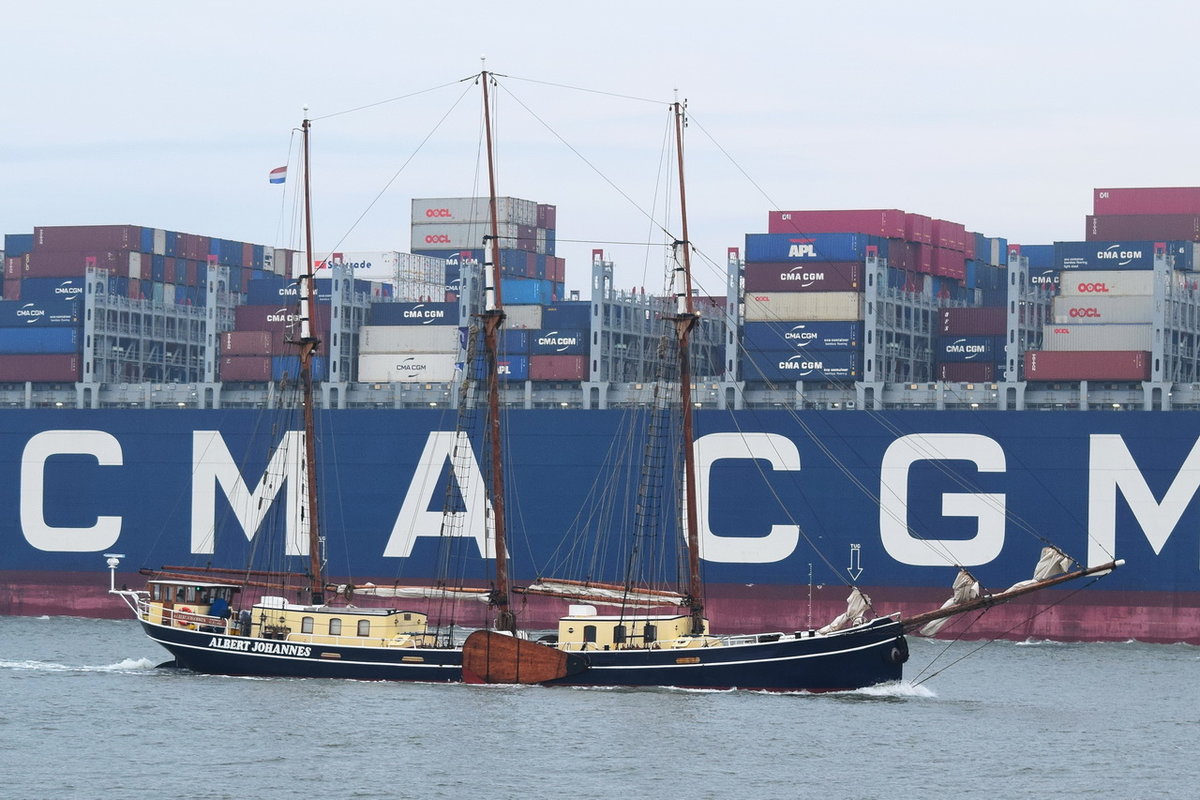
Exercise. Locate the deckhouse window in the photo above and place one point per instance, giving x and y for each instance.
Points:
(619, 634)
(650, 633)
(364, 627)
(306, 625)
(335, 627)
(589, 633)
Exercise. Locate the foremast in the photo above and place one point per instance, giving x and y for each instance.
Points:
(685, 320)
(309, 342)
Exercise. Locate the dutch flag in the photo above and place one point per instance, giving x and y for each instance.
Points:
(278, 175)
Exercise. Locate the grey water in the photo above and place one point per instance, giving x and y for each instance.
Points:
(84, 713)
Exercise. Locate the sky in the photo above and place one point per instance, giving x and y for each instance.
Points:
(1003, 116)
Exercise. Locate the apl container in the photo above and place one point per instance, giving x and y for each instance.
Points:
(784, 276)
(886, 222)
(1084, 365)
(818, 365)
(408, 339)
(803, 306)
(802, 336)
(1083, 336)
(812, 247)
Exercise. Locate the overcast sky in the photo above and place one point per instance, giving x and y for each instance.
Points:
(1000, 115)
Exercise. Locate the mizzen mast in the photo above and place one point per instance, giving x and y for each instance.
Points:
(308, 347)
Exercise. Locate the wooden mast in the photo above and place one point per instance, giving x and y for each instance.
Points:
(493, 320)
(308, 346)
(685, 319)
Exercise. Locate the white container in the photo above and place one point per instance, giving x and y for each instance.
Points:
(797, 306)
(436, 210)
(392, 339)
(462, 236)
(135, 266)
(1104, 308)
(1093, 283)
(406, 368)
(1098, 336)
(522, 316)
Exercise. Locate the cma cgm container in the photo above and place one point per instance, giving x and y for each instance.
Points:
(1150, 200)
(414, 314)
(408, 339)
(558, 342)
(817, 365)
(886, 222)
(410, 367)
(803, 306)
(1184, 227)
(973, 321)
(1099, 308)
(800, 336)
(1085, 365)
(784, 276)
(47, 313)
(1122, 255)
(813, 247)
(40, 289)
(969, 348)
(1083, 336)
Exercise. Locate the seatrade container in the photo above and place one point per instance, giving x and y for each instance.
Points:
(45, 313)
(40, 368)
(1084, 336)
(801, 336)
(967, 371)
(969, 348)
(408, 339)
(1148, 200)
(816, 365)
(785, 276)
(1098, 308)
(812, 247)
(886, 222)
(1184, 227)
(1123, 255)
(406, 313)
(972, 321)
(566, 342)
(407, 367)
(40, 339)
(40, 289)
(803, 306)
(1085, 365)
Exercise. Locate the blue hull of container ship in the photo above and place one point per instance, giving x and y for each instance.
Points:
(981, 487)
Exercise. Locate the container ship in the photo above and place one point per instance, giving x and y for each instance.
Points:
(907, 385)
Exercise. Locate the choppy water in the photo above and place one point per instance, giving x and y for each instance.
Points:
(84, 714)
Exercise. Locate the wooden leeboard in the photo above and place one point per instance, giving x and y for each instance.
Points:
(491, 657)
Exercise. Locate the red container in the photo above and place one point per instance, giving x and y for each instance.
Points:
(949, 263)
(966, 371)
(12, 289)
(1143, 227)
(74, 263)
(921, 258)
(1087, 365)
(87, 237)
(918, 228)
(282, 319)
(969, 245)
(244, 368)
(40, 368)
(247, 343)
(558, 368)
(1151, 200)
(972, 321)
(546, 216)
(886, 222)
(951, 235)
(837, 276)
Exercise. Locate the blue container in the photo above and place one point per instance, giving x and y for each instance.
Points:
(289, 367)
(43, 314)
(514, 341)
(959, 349)
(414, 313)
(40, 289)
(508, 368)
(1117, 255)
(17, 244)
(818, 365)
(172, 244)
(270, 291)
(118, 285)
(1041, 256)
(570, 314)
(39, 340)
(158, 268)
(146, 240)
(528, 291)
(258, 256)
(768, 337)
(550, 239)
(812, 246)
(559, 342)
(1044, 278)
(508, 258)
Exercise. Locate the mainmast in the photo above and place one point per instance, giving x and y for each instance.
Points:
(308, 346)
(685, 319)
(493, 320)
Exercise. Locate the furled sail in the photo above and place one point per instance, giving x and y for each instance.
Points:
(348, 591)
(965, 589)
(858, 607)
(1052, 562)
(603, 594)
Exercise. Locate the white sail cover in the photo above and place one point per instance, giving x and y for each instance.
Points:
(604, 596)
(857, 606)
(1052, 562)
(413, 592)
(965, 589)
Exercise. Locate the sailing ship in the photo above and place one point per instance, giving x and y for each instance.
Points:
(651, 637)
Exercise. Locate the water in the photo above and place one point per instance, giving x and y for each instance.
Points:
(84, 714)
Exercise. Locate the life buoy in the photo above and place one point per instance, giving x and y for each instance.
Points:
(899, 652)
(191, 626)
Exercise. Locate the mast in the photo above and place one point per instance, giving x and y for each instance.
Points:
(308, 346)
(685, 319)
(493, 320)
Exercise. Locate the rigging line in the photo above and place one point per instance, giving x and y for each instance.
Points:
(403, 167)
(393, 99)
(733, 161)
(583, 89)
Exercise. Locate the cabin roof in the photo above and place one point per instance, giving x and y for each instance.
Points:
(195, 584)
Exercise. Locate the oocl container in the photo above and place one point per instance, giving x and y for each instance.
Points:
(1098, 308)
(1084, 336)
(435, 210)
(1084, 365)
(1108, 283)
(802, 306)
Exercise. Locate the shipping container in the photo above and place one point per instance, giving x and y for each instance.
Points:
(44, 313)
(968, 348)
(1040, 256)
(74, 263)
(1084, 336)
(528, 291)
(406, 368)
(41, 289)
(283, 319)
(1113, 283)
(40, 339)
(244, 368)
(1122, 255)
(12, 289)
(17, 244)
(1085, 365)
(1147, 200)
(510, 367)
(800, 336)
(972, 321)
(1101, 308)
(840, 276)
(558, 368)
(918, 228)
(967, 371)
(559, 341)
(524, 316)
(406, 313)
(287, 368)
(248, 343)
(439, 210)
(948, 263)
(803, 306)
(812, 247)
(574, 314)
(817, 365)
(462, 236)
(87, 237)
(408, 339)
(514, 341)
(885, 222)
(949, 235)
(1154, 227)
(42, 368)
